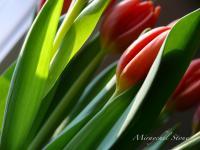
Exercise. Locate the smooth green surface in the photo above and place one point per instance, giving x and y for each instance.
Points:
(69, 18)
(67, 102)
(29, 77)
(4, 87)
(77, 35)
(7, 75)
(96, 85)
(93, 132)
(90, 110)
(5, 79)
(70, 75)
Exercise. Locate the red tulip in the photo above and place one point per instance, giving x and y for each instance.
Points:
(196, 121)
(136, 61)
(125, 21)
(65, 5)
(187, 93)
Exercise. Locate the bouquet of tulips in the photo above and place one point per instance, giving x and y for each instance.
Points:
(52, 97)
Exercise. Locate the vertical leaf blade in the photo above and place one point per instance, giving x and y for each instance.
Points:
(29, 77)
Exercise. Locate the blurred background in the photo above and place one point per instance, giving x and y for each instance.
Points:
(16, 17)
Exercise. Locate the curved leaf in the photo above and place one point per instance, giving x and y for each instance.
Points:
(29, 78)
(70, 75)
(90, 110)
(5, 79)
(77, 35)
(67, 102)
(67, 22)
(93, 132)
(93, 89)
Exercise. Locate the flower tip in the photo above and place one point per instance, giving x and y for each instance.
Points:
(157, 11)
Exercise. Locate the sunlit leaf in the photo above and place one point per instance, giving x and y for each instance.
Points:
(29, 78)
(77, 35)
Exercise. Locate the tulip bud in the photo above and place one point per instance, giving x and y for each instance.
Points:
(65, 5)
(136, 61)
(125, 21)
(187, 93)
(196, 121)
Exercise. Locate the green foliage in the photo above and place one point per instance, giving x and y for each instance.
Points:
(29, 78)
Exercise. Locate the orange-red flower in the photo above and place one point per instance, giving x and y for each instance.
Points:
(136, 61)
(124, 22)
(187, 93)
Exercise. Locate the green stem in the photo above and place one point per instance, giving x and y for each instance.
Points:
(75, 8)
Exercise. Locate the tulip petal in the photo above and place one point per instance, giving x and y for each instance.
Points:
(195, 65)
(130, 35)
(138, 67)
(137, 46)
(189, 97)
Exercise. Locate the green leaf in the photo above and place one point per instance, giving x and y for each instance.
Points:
(72, 73)
(75, 38)
(90, 110)
(3, 87)
(93, 132)
(67, 102)
(67, 23)
(93, 89)
(164, 138)
(178, 50)
(5, 79)
(29, 78)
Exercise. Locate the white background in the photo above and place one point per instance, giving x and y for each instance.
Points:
(15, 18)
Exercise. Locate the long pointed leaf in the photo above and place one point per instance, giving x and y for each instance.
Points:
(75, 38)
(70, 75)
(29, 78)
(5, 79)
(92, 108)
(93, 132)
(93, 89)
